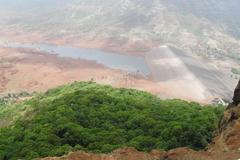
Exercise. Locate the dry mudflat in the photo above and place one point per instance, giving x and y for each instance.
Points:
(31, 70)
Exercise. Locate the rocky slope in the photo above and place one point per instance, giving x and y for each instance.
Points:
(228, 134)
(225, 145)
(133, 154)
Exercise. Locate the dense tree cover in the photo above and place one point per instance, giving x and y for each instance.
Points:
(91, 117)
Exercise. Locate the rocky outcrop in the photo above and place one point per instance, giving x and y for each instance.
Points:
(236, 96)
(133, 154)
(228, 134)
(119, 154)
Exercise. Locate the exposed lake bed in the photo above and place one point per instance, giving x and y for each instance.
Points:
(163, 71)
(128, 63)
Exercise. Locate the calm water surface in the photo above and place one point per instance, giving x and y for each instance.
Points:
(128, 63)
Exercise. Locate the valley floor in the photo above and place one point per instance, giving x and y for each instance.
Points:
(31, 70)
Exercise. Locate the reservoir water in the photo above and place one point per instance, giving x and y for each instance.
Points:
(128, 63)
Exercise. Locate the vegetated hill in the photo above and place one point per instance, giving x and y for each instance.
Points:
(206, 27)
(91, 117)
(224, 146)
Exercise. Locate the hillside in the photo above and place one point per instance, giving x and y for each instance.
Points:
(205, 28)
(113, 42)
(224, 146)
(119, 80)
(96, 118)
(205, 31)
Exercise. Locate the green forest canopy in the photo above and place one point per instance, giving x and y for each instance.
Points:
(91, 117)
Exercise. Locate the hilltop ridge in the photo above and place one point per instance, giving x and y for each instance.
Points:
(97, 118)
(225, 145)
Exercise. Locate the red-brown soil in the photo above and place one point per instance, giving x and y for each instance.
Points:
(132, 154)
(29, 70)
